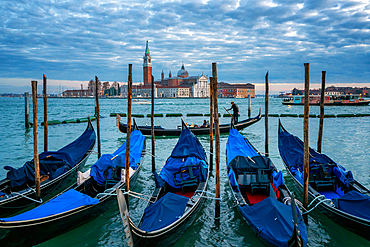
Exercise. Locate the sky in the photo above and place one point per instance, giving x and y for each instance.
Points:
(73, 41)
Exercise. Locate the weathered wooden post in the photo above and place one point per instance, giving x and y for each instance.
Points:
(267, 114)
(97, 114)
(128, 139)
(211, 125)
(217, 135)
(322, 100)
(305, 131)
(152, 126)
(35, 140)
(26, 109)
(45, 114)
(249, 106)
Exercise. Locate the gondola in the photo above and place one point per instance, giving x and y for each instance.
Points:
(179, 193)
(160, 131)
(57, 170)
(83, 202)
(332, 189)
(261, 195)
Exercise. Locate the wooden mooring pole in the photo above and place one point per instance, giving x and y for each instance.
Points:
(35, 140)
(267, 115)
(249, 105)
(306, 143)
(322, 100)
(45, 114)
(128, 139)
(211, 125)
(217, 136)
(26, 109)
(97, 114)
(152, 126)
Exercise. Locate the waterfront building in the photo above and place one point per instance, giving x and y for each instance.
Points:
(237, 90)
(198, 85)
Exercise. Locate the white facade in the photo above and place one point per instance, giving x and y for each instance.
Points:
(201, 88)
(173, 92)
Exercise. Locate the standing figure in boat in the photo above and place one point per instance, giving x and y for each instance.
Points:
(235, 109)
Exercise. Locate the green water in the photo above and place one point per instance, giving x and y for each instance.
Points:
(345, 140)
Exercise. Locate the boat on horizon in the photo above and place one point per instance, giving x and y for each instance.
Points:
(329, 100)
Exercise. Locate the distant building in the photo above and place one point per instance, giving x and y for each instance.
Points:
(237, 90)
(332, 90)
(147, 67)
(198, 85)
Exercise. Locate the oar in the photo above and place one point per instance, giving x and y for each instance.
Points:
(228, 112)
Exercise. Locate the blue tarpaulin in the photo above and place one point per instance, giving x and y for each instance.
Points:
(187, 152)
(163, 212)
(292, 151)
(188, 145)
(69, 200)
(53, 163)
(136, 148)
(354, 203)
(272, 220)
(238, 145)
(175, 165)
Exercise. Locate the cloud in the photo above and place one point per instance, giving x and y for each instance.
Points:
(76, 40)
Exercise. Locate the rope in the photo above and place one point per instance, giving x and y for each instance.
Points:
(325, 200)
(150, 154)
(29, 198)
(212, 198)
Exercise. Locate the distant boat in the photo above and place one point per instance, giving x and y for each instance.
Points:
(141, 102)
(354, 99)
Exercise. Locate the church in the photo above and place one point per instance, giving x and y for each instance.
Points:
(181, 85)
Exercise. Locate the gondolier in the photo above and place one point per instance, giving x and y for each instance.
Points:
(235, 109)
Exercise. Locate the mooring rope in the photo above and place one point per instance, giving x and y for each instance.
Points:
(29, 198)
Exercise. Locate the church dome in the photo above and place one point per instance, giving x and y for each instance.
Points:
(182, 72)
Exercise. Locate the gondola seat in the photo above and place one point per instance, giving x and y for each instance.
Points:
(113, 177)
(187, 184)
(322, 177)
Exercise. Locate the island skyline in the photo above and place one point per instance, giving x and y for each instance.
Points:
(71, 43)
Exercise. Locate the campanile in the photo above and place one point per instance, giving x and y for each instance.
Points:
(147, 66)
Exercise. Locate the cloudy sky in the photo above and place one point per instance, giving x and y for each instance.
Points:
(72, 41)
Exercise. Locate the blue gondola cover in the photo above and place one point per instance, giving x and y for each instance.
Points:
(188, 146)
(292, 151)
(53, 163)
(136, 149)
(187, 152)
(69, 200)
(163, 212)
(354, 203)
(237, 145)
(272, 220)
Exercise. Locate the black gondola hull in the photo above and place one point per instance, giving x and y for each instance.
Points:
(39, 231)
(224, 128)
(355, 224)
(48, 189)
(169, 235)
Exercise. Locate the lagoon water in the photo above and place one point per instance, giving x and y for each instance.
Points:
(345, 140)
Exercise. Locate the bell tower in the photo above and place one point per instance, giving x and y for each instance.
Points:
(147, 66)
